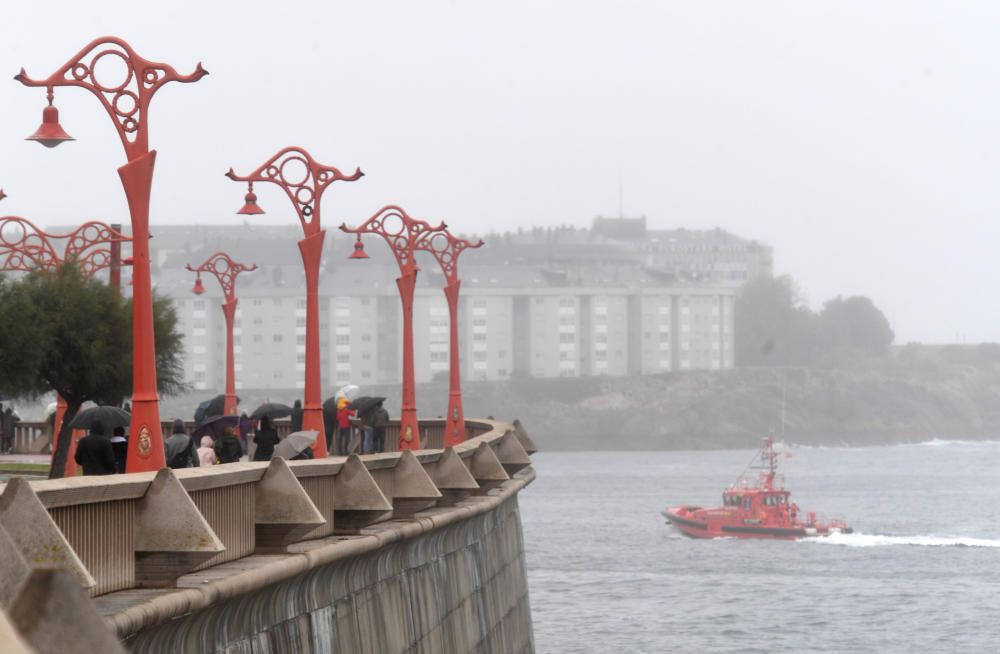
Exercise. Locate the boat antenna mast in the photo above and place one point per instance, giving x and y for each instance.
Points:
(769, 457)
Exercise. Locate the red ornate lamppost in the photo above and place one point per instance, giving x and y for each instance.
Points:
(446, 248)
(404, 235)
(225, 270)
(303, 180)
(93, 245)
(127, 103)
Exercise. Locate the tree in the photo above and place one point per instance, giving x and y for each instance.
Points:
(772, 325)
(855, 325)
(68, 333)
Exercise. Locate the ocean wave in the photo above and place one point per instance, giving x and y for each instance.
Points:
(944, 442)
(878, 540)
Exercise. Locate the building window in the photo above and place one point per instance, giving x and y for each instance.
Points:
(567, 302)
(439, 356)
(343, 357)
(567, 338)
(257, 338)
(479, 356)
(479, 337)
(299, 322)
(277, 338)
(300, 339)
(343, 339)
(199, 305)
(199, 324)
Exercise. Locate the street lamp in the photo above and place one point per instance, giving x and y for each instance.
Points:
(404, 235)
(446, 248)
(93, 245)
(303, 180)
(127, 103)
(225, 270)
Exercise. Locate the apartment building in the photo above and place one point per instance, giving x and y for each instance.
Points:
(551, 317)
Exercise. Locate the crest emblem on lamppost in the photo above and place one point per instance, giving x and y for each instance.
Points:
(145, 442)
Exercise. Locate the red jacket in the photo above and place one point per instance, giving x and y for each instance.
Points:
(344, 417)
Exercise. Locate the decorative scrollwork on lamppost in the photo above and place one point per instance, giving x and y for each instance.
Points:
(225, 271)
(446, 248)
(404, 235)
(303, 180)
(93, 246)
(127, 102)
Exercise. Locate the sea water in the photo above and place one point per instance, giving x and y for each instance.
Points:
(921, 573)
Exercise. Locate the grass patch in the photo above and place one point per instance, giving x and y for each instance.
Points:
(33, 468)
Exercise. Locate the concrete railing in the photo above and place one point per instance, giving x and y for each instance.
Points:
(120, 533)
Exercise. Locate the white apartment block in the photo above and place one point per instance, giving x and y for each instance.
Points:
(543, 332)
(556, 303)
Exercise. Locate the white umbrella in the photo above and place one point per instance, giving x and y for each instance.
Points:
(50, 409)
(349, 391)
(295, 443)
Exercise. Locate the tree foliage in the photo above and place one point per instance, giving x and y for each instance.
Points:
(65, 332)
(775, 327)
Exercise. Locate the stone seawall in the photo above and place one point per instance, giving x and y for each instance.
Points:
(409, 551)
(459, 588)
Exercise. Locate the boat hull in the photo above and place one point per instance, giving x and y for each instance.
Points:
(697, 522)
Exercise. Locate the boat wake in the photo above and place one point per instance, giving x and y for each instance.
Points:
(877, 540)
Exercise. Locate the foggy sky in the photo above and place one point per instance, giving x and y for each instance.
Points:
(859, 139)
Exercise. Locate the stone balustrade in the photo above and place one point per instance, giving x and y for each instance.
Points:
(155, 549)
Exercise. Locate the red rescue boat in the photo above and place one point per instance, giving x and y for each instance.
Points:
(761, 509)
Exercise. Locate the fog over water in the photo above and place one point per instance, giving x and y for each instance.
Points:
(859, 140)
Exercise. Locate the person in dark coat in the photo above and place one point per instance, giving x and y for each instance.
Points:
(94, 452)
(296, 417)
(120, 447)
(265, 438)
(180, 449)
(228, 448)
(378, 417)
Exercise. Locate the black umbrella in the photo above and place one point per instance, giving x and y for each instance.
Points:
(330, 406)
(364, 404)
(214, 407)
(214, 426)
(271, 410)
(109, 416)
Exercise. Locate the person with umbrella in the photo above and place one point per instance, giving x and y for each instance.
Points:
(94, 452)
(379, 419)
(206, 453)
(296, 416)
(344, 415)
(120, 446)
(265, 438)
(179, 448)
(296, 445)
(228, 448)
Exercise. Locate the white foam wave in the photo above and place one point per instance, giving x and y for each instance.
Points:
(943, 442)
(878, 540)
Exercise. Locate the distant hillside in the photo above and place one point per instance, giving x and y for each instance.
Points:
(705, 410)
(918, 394)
